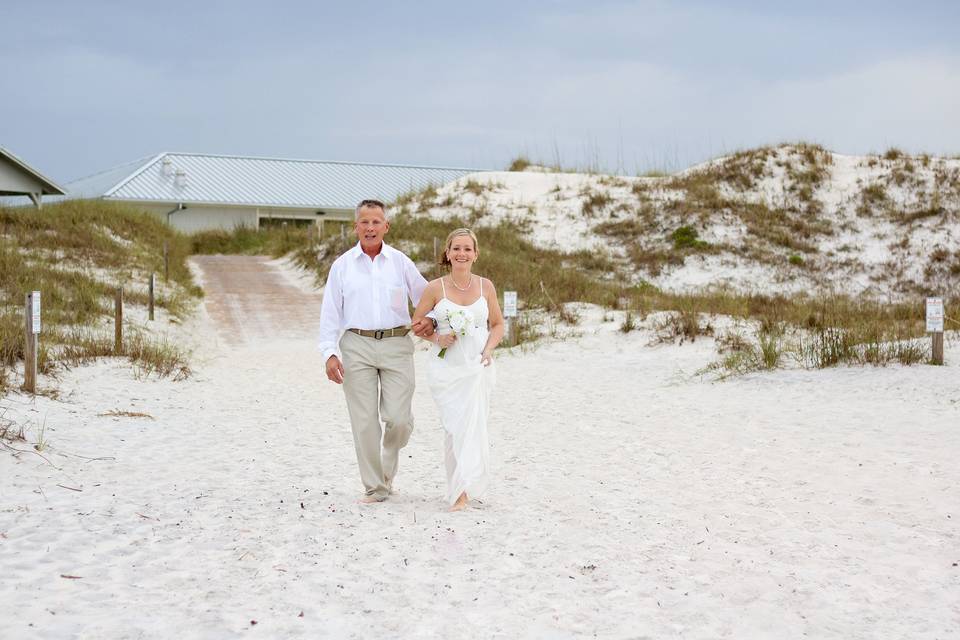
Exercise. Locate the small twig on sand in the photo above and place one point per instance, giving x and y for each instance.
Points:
(76, 455)
(15, 450)
(71, 488)
(148, 517)
(116, 413)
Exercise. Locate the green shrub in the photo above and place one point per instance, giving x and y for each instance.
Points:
(685, 237)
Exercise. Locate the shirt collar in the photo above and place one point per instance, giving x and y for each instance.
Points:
(386, 251)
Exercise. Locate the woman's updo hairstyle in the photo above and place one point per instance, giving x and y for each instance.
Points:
(463, 231)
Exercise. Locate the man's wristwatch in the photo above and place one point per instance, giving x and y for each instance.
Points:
(434, 321)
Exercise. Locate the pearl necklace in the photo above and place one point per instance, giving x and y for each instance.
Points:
(466, 288)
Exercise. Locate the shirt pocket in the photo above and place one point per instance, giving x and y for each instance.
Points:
(397, 297)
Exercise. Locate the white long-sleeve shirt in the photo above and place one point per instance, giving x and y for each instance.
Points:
(367, 294)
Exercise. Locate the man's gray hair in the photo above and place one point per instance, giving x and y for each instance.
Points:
(370, 203)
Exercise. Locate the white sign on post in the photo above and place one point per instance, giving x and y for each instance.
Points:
(509, 304)
(35, 311)
(934, 315)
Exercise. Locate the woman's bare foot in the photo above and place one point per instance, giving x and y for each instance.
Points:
(460, 504)
(370, 500)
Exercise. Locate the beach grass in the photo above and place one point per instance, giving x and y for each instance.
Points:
(77, 253)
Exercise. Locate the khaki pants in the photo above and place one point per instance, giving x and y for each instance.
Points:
(378, 382)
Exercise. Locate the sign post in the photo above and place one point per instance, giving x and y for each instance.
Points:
(31, 315)
(510, 313)
(935, 328)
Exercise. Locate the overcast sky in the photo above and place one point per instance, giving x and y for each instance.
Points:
(624, 86)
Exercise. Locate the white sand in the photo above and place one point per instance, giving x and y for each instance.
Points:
(631, 499)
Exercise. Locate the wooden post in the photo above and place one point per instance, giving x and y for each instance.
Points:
(343, 233)
(435, 254)
(320, 230)
(29, 347)
(153, 282)
(166, 260)
(937, 347)
(118, 322)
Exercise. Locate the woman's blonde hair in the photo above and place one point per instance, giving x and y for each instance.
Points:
(463, 231)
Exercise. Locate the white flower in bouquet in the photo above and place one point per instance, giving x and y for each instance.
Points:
(460, 322)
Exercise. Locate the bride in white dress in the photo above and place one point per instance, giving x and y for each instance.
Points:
(460, 370)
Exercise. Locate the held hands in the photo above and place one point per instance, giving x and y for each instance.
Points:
(486, 358)
(422, 327)
(335, 369)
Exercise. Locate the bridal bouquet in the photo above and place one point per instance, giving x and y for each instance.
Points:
(460, 322)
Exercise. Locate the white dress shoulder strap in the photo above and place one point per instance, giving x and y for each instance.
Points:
(443, 287)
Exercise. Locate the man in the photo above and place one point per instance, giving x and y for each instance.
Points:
(365, 312)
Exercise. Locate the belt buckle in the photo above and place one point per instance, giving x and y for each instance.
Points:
(378, 334)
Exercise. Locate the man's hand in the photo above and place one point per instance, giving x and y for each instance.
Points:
(423, 328)
(335, 369)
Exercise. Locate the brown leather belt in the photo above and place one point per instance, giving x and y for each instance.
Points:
(379, 334)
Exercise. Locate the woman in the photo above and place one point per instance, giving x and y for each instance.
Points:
(460, 371)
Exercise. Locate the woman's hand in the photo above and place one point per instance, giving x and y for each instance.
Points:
(486, 358)
(444, 340)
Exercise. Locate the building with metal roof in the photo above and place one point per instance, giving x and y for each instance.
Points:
(196, 191)
(17, 178)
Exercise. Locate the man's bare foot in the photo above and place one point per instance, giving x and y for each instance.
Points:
(460, 504)
(370, 500)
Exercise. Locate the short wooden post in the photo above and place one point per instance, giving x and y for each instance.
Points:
(320, 229)
(937, 348)
(343, 233)
(935, 307)
(31, 329)
(435, 254)
(166, 260)
(153, 283)
(118, 322)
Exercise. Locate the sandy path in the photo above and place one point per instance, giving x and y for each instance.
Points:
(248, 299)
(631, 500)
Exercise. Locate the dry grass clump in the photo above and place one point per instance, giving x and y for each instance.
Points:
(838, 331)
(743, 169)
(475, 187)
(520, 163)
(594, 201)
(741, 355)
(686, 323)
(872, 198)
(866, 344)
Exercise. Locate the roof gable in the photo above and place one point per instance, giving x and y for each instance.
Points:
(46, 185)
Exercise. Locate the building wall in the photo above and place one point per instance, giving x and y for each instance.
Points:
(203, 218)
(12, 178)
